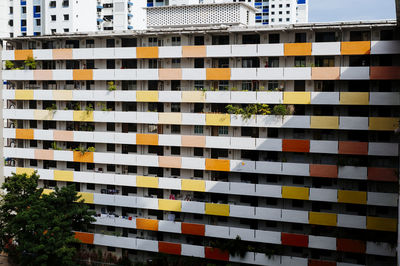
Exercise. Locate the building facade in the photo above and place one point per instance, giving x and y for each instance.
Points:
(162, 135)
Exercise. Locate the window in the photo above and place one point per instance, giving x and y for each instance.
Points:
(176, 63)
(273, 62)
(90, 186)
(300, 61)
(300, 37)
(38, 23)
(152, 63)
(65, 3)
(287, 5)
(66, 17)
(175, 150)
(199, 63)
(53, 17)
(324, 61)
(11, 10)
(223, 130)
(288, 12)
(110, 43)
(66, 30)
(198, 129)
(288, 19)
(53, 4)
(23, 10)
(89, 43)
(176, 41)
(11, 22)
(325, 37)
(198, 40)
(175, 129)
(23, 22)
(280, 6)
(280, 20)
(198, 84)
(274, 38)
(153, 41)
(175, 107)
(273, 85)
(198, 151)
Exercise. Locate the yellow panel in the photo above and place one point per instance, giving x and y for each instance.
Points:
(170, 118)
(147, 96)
(193, 96)
(356, 197)
(83, 116)
(217, 209)
(193, 185)
(297, 97)
(43, 115)
(301, 193)
(24, 95)
(218, 120)
(383, 123)
(354, 98)
(62, 95)
(329, 219)
(47, 191)
(147, 181)
(27, 171)
(324, 122)
(67, 176)
(88, 197)
(382, 224)
(169, 205)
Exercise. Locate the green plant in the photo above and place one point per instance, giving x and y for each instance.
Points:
(77, 106)
(30, 63)
(249, 110)
(280, 109)
(89, 108)
(9, 64)
(52, 108)
(111, 86)
(234, 89)
(81, 149)
(91, 149)
(54, 146)
(235, 247)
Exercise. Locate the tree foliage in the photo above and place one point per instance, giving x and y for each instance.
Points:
(37, 229)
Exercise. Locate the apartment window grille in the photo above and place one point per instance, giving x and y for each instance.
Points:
(198, 152)
(198, 173)
(246, 85)
(300, 37)
(153, 41)
(175, 129)
(176, 41)
(175, 150)
(199, 63)
(273, 85)
(223, 130)
(198, 129)
(33, 162)
(89, 43)
(175, 107)
(110, 43)
(175, 172)
(198, 84)
(300, 61)
(273, 62)
(176, 63)
(223, 85)
(152, 63)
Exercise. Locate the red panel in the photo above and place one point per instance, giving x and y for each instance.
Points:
(353, 147)
(193, 229)
(295, 145)
(323, 170)
(294, 240)
(321, 263)
(216, 254)
(350, 245)
(382, 174)
(169, 248)
(385, 72)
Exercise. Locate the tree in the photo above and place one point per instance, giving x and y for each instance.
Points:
(37, 229)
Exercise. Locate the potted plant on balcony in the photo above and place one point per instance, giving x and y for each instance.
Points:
(30, 63)
(9, 65)
(111, 86)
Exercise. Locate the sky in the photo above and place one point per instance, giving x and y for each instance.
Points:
(347, 10)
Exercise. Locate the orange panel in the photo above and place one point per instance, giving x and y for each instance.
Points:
(86, 238)
(169, 248)
(325, 73)
(350, 48)
(146, 139)
(321, 263)
(194, 51)
(169, 162)
(63, 135)
(385, 72)
(216, 254)
(382, 174)
(350, 245)
(193, 229)
(146, 52)
(217, 165)
(22, 54)
(170, 74)
(87, 157)
(218, 73)
(193, 141)
(146, 224)
(323, 170)
(24, 133)
(295, 145)
(62, 54)
(353, 147)
(44, 154)
(295, 49)
(83, 74)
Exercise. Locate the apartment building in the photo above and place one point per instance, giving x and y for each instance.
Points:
(139, 122)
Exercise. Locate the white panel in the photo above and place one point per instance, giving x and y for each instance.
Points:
(147, 245)
(125, 74)
(297, 73)
(103, 53)
(193, 163)
(9, 74)
(268, 214)
(384, 98)
(325, 97)
(244, 97)
(83, 53)
(217, 231)
(9, 170)
(296, 169)
(243, 143)
(170, 52)
(324, 146)
(62, 74)
(269, 144)
(299, 121)
(126, 201)
(169, 140)
(269, 167)
(43, 95)
(218, 96)
(193, 119)
(242, 166)
(294, 261)
(103, 199)
(10, 133)
(169, 183)
(147, 117)
(356, 123)
(353, 172)
(355, 73)
(193, 207)
(8, 55)
(42, 54)
(244, 50)
(270, 97)
(385, 47)
(241, 211)
(274, 191)
(295, 216)
(243, 74)
(104, 178)
(247, 258)
(123, 222)
(125, 138)
(125, 52)
(103, 157)
(103, 137)
(20, 74)
(124, 96)
(192, 250)
(84, 177)
(63, 115)
(321, 194)
(382, 199)
(275, 49)
(63, 156)
(169, 96)
(169, 226)
(147, 74)
(10, 94)
(262, 259)
(326, 48)
(193, 74)
(382, 149)
(127, 117)
(269, 121)
(218, 51)
(147, 203)
(217, 187)
(238, 120)
(380, 249)
(125, 180)
(270, 73)
(351, 221)
(80, 95)
(147, 160)
(103, 74)
(83, 136)
(268, 237)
